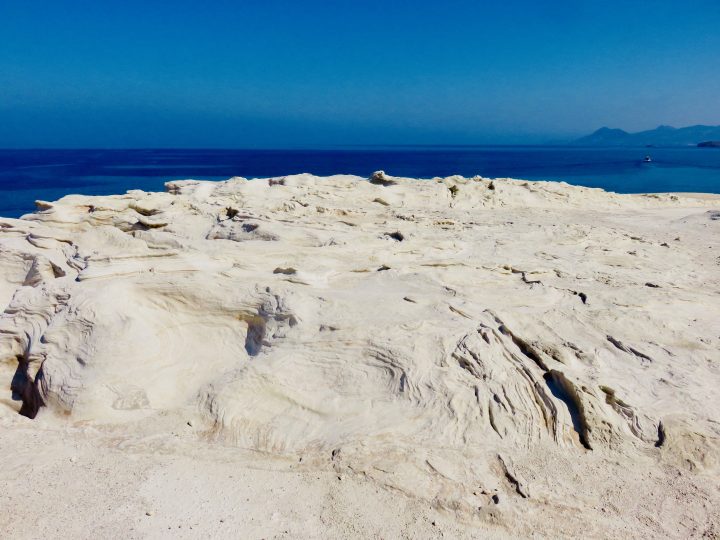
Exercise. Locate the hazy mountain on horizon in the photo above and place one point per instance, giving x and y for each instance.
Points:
(660, 136)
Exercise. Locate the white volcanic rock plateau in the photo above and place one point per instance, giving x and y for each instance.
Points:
(475, 356)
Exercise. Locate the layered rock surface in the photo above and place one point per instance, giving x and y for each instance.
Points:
(459, 341)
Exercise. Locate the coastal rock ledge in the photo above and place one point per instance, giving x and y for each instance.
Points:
(383, 356)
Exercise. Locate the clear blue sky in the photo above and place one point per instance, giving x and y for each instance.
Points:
(298, 73)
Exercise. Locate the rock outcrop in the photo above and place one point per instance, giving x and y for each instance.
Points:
(453, 339)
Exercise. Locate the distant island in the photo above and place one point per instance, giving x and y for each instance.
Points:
(660, 136)
(709, 144)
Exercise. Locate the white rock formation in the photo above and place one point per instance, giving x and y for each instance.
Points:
(509, 352)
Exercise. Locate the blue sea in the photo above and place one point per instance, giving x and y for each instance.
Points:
(28, 175)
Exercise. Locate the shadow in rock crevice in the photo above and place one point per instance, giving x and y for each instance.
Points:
(25, 389)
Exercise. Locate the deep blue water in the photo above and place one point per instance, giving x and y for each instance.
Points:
(28, 175)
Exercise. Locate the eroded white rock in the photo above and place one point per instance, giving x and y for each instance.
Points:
(424, 327)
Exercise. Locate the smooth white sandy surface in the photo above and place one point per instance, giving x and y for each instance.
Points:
(309, 357)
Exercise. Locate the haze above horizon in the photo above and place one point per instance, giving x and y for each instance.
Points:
(279, 74)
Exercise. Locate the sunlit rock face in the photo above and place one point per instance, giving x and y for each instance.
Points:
(445, 337)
